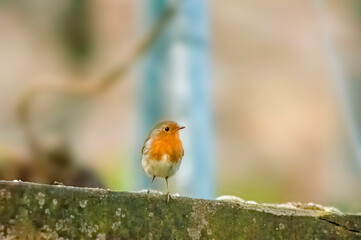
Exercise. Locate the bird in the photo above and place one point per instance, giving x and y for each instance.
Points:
(163, 151)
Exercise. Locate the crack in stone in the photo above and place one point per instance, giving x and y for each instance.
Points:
(339, 225)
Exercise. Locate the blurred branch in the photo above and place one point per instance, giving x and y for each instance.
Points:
(140, 49)
(82, 88)
(75, 32)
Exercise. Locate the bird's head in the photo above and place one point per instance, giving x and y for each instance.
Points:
(166, 128)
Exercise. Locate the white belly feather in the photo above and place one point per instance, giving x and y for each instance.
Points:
(163, 168)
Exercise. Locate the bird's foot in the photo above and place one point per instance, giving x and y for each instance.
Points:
(168, 197)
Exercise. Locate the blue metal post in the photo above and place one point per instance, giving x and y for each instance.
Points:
(176, 85)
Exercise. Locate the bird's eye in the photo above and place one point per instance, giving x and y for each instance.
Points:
(166, 129)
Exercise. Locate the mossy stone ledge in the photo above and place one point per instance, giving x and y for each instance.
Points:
(36, 211)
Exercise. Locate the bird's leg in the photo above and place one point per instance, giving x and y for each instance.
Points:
(150, 185)
(168, 194)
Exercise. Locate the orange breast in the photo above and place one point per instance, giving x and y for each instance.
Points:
(170, 145)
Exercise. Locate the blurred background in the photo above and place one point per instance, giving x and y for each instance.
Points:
(268, 92)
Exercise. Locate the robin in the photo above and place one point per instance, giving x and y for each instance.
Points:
(162, 151)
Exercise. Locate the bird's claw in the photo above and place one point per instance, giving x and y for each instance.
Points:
(168, 197)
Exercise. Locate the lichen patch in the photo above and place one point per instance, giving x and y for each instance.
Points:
(199, 217)
(41, 199)
(5, 194)
(83, 203)
(118, 212)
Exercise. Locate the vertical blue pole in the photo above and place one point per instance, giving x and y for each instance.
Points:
(176, 85)
(196, 177)
(152, 81)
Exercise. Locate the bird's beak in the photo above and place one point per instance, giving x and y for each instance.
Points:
(181, 128)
